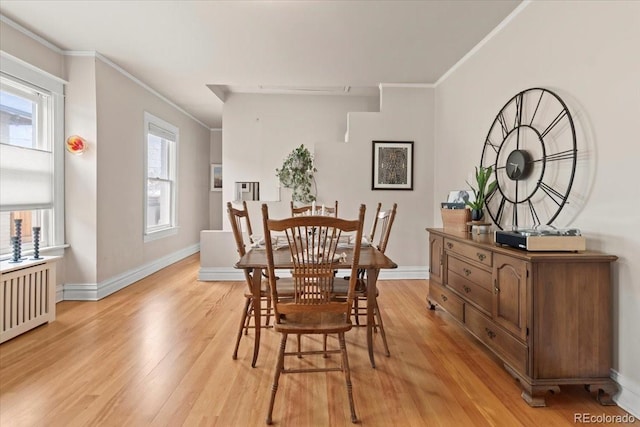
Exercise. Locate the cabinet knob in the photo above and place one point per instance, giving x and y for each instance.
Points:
(490, 333)
(496, 290)
(480, 256)
(449, 245)
(466, 271)
(444, 297)
(467, 289)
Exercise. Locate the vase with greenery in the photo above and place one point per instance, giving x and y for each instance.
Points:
(481, 191)
(296, 173)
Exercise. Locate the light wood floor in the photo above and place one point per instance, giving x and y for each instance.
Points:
(159, 353)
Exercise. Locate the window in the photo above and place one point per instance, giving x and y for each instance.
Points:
(161, 140)
(31, 157)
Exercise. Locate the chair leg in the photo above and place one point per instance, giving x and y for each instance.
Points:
(299, 347)
(276, 376)
(242, 326)
(324, 346)
(268, 310)
(384, 336)
(250, 313)
(347, 376)
(356, 310)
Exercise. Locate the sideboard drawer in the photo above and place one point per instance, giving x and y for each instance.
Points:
(470, 272)
(474, 253)
(448, 300)
(471, 292)
(511, 350)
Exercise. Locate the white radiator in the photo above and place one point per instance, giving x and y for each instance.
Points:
(27, 296)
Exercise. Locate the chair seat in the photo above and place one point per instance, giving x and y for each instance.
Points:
(285, 287)
(313, 323)
(340, 288)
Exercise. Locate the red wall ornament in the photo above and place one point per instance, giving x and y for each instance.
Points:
(76, 144)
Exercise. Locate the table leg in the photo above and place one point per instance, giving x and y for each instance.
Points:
(372, 278)
(257, 311)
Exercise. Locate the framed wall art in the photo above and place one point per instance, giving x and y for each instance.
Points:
(392, 165)
(216, 177)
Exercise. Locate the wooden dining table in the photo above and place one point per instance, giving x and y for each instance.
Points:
(371, 260)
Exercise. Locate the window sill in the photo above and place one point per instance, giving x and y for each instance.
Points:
(160, 234)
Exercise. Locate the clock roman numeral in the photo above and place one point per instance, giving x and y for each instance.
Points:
(518, 119)
(495, 147)
(503, 124)
(554, 194)
(560, 155)
(534, 214)
(555, 121)
(536, 109)
(500, 210)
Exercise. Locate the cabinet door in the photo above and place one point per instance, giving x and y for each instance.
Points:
(436, 258)
(510, 294)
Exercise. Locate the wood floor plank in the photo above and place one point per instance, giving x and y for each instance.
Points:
(158, 353)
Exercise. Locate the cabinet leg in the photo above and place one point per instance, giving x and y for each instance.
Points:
(604, 392)
(535, 396)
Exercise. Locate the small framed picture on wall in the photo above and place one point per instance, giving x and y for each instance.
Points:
(392, 165)
(216, 177)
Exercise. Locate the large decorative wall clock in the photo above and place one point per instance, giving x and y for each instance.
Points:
(531, 146)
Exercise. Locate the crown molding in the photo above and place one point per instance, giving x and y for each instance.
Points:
(133, 78)
(31, 34)
(484, 41)
(407, 85)
(32, 68)
(99, 56)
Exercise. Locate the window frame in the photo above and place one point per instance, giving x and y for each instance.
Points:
(25, 74)
(158, 232)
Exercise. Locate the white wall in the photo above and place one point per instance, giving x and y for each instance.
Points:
(47, 57)
(587, 52)
(120, 175)
(260, 130)
(216, 217)
(81, 173)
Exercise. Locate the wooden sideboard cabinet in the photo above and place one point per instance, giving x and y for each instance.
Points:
(546, 315)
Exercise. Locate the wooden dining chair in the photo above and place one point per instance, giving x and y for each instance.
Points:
(374, 224)
(313, 241)
(236, 218)
(302, 210)
(385, 219)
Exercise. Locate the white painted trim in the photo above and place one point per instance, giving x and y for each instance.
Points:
(484, 41)
(629, 396)
(95, 292)
(220, 274)
(407, 85)
(36, 78)
(405, 273)
(30, 34)
(130, 76)
(223, 274)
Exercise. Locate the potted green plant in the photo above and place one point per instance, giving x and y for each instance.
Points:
(483, 189)
(296, 173)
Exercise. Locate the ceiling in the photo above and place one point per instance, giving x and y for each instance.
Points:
(196, 52)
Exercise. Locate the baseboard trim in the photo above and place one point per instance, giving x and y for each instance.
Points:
(97, 291)
(629, 396)
(223, 274)
(220, 274)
